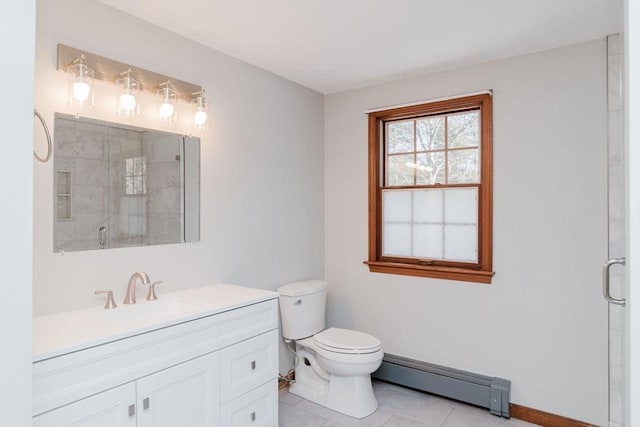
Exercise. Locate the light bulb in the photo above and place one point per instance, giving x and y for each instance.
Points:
(166, 110)
(81, 90)
(200, 118)
(127, 102)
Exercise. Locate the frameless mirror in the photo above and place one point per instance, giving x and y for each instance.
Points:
(119, 186)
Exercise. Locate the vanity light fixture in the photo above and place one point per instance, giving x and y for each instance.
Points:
(201, 114)
(128, 104)
(167, 109)
(81, 83)
(83, 67)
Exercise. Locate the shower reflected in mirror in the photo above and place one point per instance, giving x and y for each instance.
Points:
(118, 186)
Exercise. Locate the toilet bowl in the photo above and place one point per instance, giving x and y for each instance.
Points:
(333, 366)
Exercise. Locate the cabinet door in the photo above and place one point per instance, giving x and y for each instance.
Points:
(112, 408)
(184, 395)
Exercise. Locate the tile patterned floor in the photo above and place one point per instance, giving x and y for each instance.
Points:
(399, 407)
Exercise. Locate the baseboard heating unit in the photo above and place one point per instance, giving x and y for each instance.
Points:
(480, 390)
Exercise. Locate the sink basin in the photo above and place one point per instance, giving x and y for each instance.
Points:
(148, 310)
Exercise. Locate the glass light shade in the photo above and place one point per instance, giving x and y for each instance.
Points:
(200, 118)
(167, 108)
(80, 84)
(81, 90)
(128, 101)
(201, 113)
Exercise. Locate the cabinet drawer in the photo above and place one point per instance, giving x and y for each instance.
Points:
(107, 409)
(248, 364)
(258, 408)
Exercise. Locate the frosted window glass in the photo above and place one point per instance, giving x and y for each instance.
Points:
(431, 223)
(461, 205)
(461, 243)
(396, 239)
(427, 205)
(427, 241)
(396, 206)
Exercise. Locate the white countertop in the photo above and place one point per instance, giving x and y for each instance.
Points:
(75, 330)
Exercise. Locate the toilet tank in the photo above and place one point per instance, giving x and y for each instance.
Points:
(302, 308)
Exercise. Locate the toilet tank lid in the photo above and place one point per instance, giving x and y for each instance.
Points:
(306, 287)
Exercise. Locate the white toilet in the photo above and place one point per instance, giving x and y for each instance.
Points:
(333, 366)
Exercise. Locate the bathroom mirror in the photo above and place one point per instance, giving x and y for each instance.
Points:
(119, 186)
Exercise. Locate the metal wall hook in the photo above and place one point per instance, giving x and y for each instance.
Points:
(46, 131)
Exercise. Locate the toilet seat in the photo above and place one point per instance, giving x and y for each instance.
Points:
(346, 341)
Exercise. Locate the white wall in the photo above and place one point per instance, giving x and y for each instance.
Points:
(632, 72)
(262, 166)
(543, 322)
(17, 22)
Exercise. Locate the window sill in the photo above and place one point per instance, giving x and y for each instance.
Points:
(446, 273)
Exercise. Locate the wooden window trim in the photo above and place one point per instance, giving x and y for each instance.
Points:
(480, 272)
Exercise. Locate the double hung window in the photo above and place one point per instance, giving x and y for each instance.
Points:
(430, 190)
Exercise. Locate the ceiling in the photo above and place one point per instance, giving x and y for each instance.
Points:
(336, 45)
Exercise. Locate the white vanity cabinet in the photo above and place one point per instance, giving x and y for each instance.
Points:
(217, 370)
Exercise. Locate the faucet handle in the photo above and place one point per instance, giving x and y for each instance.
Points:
(111, 303)
(151, 296)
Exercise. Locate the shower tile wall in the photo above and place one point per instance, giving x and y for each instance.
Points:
(94, 158)
(617, 229)
(81, 151)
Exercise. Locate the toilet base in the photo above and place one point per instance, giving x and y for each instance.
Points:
(351, 395)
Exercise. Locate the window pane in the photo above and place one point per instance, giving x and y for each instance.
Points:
(399, 170)
(430, 134)
(430, 168)
(129, 166)
(396, 206)
(400, 137)
(129, 185)
(463, 129)
(427, 206)
(431, 223)
(137, 185)
(427, 241)
(463, 166)
(396, 239)
(461, 206)
(137, 166)
(461, 243)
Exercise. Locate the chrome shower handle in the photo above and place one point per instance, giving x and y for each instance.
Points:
(606, 292)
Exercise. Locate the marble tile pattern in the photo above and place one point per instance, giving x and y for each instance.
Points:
(399, 407)
(94, 157)
(617, 224)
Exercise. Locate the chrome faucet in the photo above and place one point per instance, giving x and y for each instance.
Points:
(130, 297)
